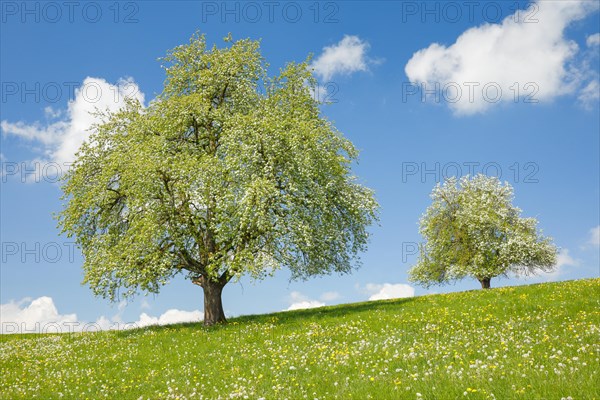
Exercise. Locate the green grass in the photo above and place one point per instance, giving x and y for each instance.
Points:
(527, 342)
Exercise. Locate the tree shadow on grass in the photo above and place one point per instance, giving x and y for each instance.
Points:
(327, 312)
(283, 319)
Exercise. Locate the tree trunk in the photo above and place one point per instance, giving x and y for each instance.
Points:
(213, 306)
(485, 283)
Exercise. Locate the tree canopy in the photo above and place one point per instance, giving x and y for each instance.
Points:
(228, 172)
(472, 229)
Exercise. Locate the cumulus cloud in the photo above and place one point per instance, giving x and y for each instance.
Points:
(344, 58)
(593, 40)
(590, 93)
(564, 259)
(172, 316)
(389, 291)
(41, 316)
(145, 305)
(534, 57)
(594, 239)
(330, 296)
(68, 129)
(300, 301)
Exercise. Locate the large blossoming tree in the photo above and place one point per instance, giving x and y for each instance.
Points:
(228, 172)
(472, 229)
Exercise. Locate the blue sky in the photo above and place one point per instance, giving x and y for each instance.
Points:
(528, 109)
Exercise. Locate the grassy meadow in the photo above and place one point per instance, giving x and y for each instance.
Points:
(527, 342)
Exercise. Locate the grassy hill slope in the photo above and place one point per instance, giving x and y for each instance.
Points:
(527, 342)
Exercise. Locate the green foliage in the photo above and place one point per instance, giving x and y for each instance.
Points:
(228, 172)
(472, 229)
(518, 343)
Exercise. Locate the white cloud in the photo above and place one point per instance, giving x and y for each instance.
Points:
(299, 302)
(330, 296)
(145, 305)
(41, 315)
(172, 316)
(593, 40)
(121, 307)
(51, 113)
(62, 138)
(344, 58)
(564, 259)
(594, 239)
(590, 93)
(514, 51)
(389, 291)
(301, 305)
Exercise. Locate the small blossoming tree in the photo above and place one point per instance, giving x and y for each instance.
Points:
(472, 229)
